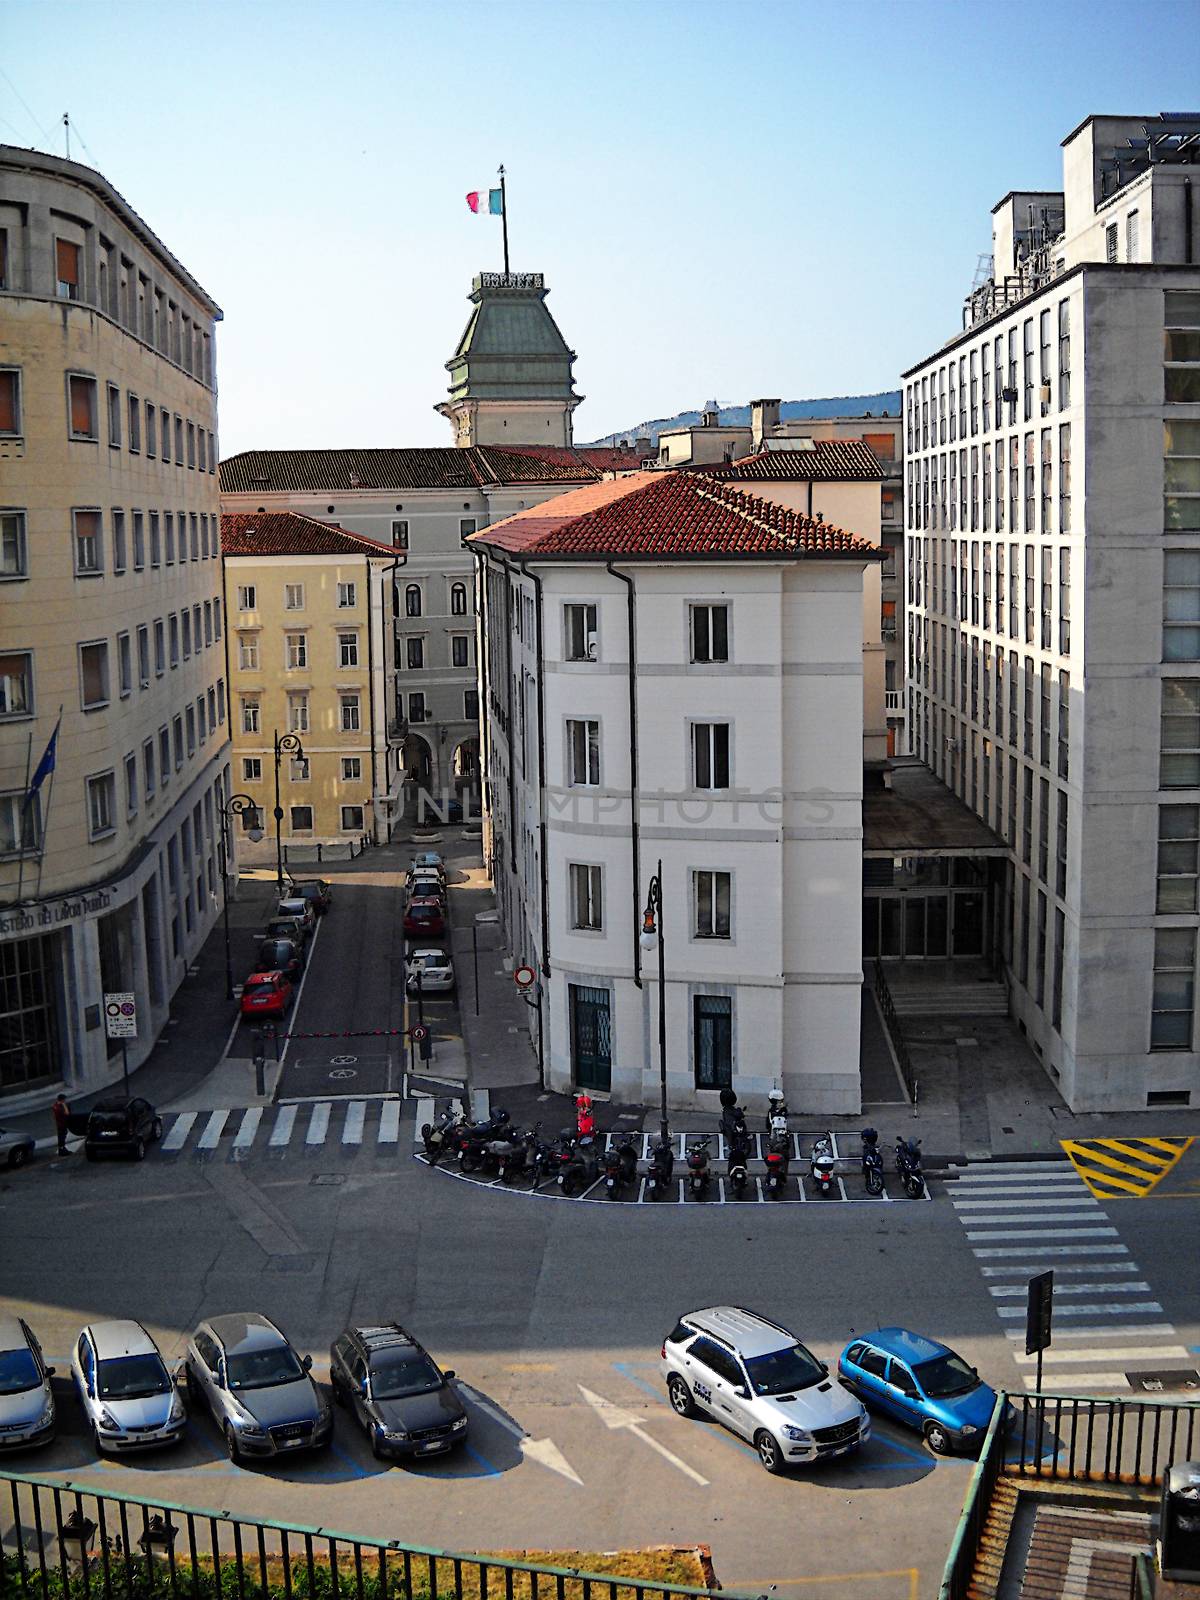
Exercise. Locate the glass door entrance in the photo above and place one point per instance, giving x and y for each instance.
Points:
(924, 927)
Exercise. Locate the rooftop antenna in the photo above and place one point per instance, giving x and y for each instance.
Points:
(504, 216)
(67, 126)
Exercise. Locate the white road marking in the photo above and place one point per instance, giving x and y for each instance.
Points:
(281, 1133)
(245, 1135)
(352, 1128)
(212, 1131)
(1075, 1288)
(1058, 1167)
(389, 1122)
(1096, 1310)
(1072, 1213)
(1082, 1380)
(980, 1191)
(1026, 1269)
(613, 1416)
(1152, 1330)
(180, 1129)
(318, 1123)
(1138, 1352)
(544, 1451)
(424, 1114)
(300, 992)
(1047, 1233)
(1032, 1205)
(1056, 1250)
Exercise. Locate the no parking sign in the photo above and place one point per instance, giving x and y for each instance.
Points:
(120, 1016)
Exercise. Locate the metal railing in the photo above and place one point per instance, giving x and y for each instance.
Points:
(68, 1541)
(1065, 1439)
(895, 1030)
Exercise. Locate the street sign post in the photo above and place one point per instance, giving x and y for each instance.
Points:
(523, 977)
(120, 1022)
(419, 1034)
(1038, 1315)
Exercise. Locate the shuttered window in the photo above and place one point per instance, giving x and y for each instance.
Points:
(66, 267)
(81, 393)
(10, 401)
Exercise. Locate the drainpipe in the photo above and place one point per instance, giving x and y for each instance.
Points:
(508, 699)
(485, 749)
(541, 757)
(634, 825)
(371, 697)
(1188, 255)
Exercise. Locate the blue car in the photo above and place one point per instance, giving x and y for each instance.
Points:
(920, 1383)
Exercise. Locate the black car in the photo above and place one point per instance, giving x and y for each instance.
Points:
(117, 1127)
(403, 1402)
(281, 955)
(317, 890)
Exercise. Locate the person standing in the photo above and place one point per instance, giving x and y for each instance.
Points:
(61, 1112)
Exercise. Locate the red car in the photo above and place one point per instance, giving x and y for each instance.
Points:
(266, 994)
(424, 919)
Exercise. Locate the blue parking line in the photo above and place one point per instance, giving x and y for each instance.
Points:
(355, 1470)
(490, 1469)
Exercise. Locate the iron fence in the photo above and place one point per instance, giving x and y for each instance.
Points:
(70, 1541)
(964, 1550)
(895, 1030)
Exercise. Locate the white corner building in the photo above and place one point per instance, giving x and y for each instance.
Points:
(1052, 500)
(671, 670)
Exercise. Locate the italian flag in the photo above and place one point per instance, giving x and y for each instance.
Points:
(486, 202)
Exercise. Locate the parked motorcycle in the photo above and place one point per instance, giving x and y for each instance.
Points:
(779, 1142)
(541, 1161)
(908, 1165)
(507, 1153)
(438, 1136)
(620, 1164)
(823, 1165)
(697, 1163)
(578, 1162)
(872, 1161)
(737, 1145)
(472, 1139)
(662, 1165)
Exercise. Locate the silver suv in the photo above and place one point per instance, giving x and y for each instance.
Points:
(258, 1389)
(757, 1379)
(126, 1392)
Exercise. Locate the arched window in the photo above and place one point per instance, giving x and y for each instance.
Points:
(458, 599)
(412, 600)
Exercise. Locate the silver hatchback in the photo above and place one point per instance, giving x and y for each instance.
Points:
(127, 1394)
(26, 1403)
(257, 1388)
(759, 1381)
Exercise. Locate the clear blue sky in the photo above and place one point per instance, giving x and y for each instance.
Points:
(727, 199)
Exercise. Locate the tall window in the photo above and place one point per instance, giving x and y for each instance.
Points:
(416, 707)
(400, 533)
(458, 599)
(1182, 318)
(13, 552)
(16, 684)
(710, 755)
(586, 906)
(1179, 763)
(415, 653)
(101, 800)
(124, 665)
(151, 430)
(583, 752)
(302, 819)
(711, 892)
(1173, 1005)
(1181, 605)
(67, 269)
(1110, 242)
(1181, 476)
(246, 597)
(10, 402)
(579, 630)
(81, 406)
(712, 1040)
(1178, 860)
(347, 649)
(293, 597)
(248, 652)
(250, 716)
(460, 650)
(88, 543)
(297, 650)
(710, 633)
(347, 596)
(297, 713)
(1064, 724)
(351, 713)
(412, 600)
(466, 525)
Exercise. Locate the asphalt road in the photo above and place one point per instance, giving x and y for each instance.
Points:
(533, 1302)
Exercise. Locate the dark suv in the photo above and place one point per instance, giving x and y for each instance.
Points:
(117, 1127)
(403, 1402)
(317, 891)
(281, 955)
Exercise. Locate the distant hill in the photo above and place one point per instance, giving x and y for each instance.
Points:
(853, 405)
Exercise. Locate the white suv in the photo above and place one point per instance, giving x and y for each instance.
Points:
(757, 1379)
(126, 1392)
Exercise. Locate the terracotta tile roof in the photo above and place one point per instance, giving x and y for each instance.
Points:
(345, 471)
(599, 457)
(829, 460)
(287, 533)
(664, 516)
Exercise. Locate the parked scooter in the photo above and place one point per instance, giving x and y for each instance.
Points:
(438, 1136)
(662, 1165)
(697, 1162)
(620, 1164)
(541, 1160)
(472, 1138)
(908, 1165)
(779, 1142)
(507, 1153)
(872, 1161)
(578, 1162)
(823, 1165)
(737, 1142)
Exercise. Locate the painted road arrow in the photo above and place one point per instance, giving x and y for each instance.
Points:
(613, 1416)
(544, 1451)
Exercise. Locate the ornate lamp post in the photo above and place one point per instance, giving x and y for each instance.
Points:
(285, 744)
(237, 806)
(652, 932)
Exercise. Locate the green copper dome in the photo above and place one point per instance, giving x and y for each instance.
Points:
(511, 348)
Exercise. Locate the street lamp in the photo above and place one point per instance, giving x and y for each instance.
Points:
(237, 806)
(285, 744)
(652, 932)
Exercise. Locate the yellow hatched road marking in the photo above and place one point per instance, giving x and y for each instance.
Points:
(1098, 1163)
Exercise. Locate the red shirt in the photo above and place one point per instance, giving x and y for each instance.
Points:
(61, 1112)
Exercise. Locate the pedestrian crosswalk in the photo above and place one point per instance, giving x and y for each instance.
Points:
(240, 1132)
(1026, 1217)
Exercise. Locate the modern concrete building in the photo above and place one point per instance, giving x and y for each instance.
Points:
(1052, 512)
(309, 610)
(671, 672)
(112, 626)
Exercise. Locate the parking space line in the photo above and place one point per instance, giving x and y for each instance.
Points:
(758, 1186)
(180, 1129)
(352, 1128)
(721, 1189)
(281, 1133)
(209, 1139)
(318, 1123)
(424, 1114)
(641, 1191)
(389, 1123)
(245, 1135)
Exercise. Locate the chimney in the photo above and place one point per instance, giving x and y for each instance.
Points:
(642, 444)
(764, 419)
(710, 417)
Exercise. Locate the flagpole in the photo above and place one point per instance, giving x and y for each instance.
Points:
(46, 819)
(504, 217)
(21, 819)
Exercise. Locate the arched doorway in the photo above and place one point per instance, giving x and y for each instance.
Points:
(464, 765)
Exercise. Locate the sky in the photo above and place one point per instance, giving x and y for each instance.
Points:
(727, 198)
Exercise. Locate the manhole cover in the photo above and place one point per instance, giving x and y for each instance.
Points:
(329, 1180)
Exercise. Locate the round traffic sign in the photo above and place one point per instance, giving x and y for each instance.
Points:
(419, 1031)
(523, 977)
